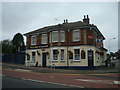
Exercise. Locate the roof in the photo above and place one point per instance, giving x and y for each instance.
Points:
(64, 26)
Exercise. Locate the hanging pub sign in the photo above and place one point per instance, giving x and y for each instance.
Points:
(90, 36)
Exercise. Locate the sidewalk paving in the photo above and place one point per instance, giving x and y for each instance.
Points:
(65, 71)
(81, 80)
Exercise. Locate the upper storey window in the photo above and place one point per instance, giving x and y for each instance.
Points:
(33, 40)
(44, 39)
(76, 35)
(62, 36)
(55, 36)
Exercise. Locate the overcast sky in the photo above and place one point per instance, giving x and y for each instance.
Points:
(24, 17)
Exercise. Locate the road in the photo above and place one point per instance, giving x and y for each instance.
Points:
(27, 78)
(10, 82)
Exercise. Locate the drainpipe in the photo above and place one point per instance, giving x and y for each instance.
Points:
(67, 51)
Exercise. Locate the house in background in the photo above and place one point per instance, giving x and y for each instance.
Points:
(74, 45)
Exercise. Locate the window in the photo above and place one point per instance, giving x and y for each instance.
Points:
(33, 56)
(62, 54)
(55, 36)
(82, 54)
(77, 54)
(55, 54)
(76, 35)
(33, 40)
(70, 55)
(44, 39)
(28, 57)
(62, 36)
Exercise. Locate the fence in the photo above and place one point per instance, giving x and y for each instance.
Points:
(13, 58)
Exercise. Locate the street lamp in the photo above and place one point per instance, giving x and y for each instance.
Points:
(109, 43)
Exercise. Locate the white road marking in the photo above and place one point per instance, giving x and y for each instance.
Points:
(2, 75)
(116, 82)
(52, 83)
(97, 81)
(22, 70)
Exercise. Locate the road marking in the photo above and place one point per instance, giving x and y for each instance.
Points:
(2, 75)
(97, 81)
(22, 70)
(52, 83)
(116, 82)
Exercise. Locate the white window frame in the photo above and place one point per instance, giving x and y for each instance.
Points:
(44, 41)
(63, 55)
(33, 57)
(54, 55)
(62, 39)
(33, 41)
(76, 35)
(55, 37)
(75, 54)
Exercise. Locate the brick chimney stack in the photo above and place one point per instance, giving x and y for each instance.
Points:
(66, 21)
(86, 19)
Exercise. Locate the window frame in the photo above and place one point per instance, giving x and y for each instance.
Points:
(74, 40)
(35, 42)
(62, 39)
(53, 41)
(63, 55)
(53, 55)
(43, 39)
(77, 54)
(33, 56)
(83, 53)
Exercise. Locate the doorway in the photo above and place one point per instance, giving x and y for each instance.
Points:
(90, 58)
(44, 59)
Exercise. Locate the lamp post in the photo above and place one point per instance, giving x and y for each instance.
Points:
(109, 43)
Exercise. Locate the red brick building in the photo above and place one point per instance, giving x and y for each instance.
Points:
(67, 45)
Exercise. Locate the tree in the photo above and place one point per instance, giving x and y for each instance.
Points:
(6, 46)
(18, 42)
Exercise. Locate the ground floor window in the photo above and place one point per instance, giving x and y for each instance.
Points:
(62, 54)
(33, 56)
(82, 54)
(77, 54)
(70, 55)
(55, 54)
(28, 57)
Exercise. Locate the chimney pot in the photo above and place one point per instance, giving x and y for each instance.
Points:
(84, 16)
(66, 20)
(86, 20)
(87, 16)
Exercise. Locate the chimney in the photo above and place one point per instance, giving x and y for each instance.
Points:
(66, 20)
(86, 20)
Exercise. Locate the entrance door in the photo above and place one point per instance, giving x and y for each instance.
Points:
(90, 58)
(44, 59)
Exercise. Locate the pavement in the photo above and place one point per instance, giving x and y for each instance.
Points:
(100, 78)
(67, 71)
(81, 80)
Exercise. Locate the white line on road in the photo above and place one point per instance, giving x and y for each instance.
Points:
(22, 70)
(100, 81)
(116, 82)
(2, 75)
(52, 83)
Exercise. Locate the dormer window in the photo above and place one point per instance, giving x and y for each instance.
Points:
(44, 39)
(55, 36)
(76, 35)
(33, 40)
(62, 34)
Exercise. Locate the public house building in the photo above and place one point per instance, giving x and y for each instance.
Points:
(74, 45)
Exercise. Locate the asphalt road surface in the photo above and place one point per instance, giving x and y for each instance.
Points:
(10, 82)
